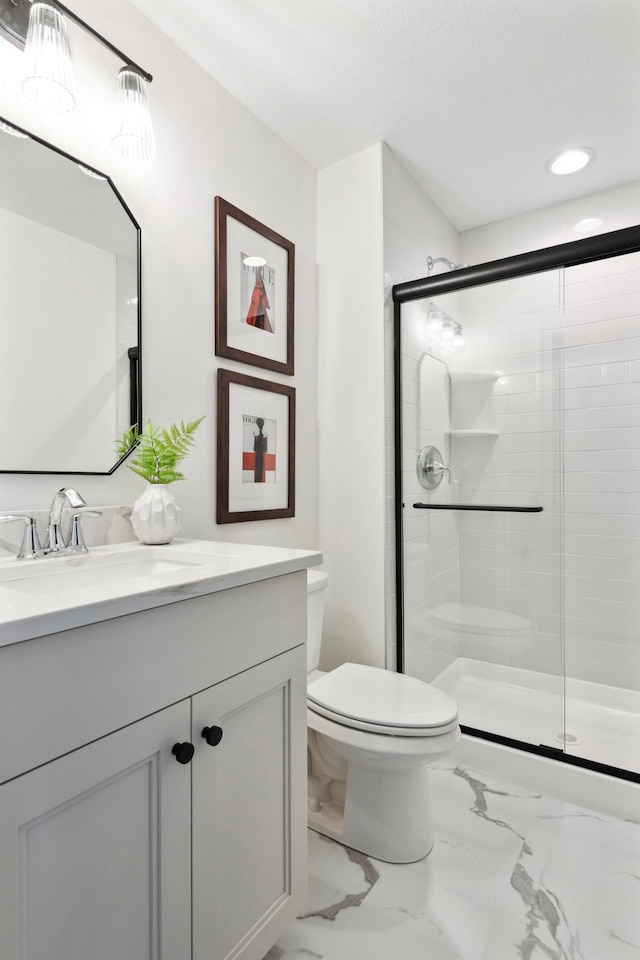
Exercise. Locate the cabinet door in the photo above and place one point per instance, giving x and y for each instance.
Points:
(250, 810)
(82, 841)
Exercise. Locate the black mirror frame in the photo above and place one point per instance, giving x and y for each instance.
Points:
(134, 353)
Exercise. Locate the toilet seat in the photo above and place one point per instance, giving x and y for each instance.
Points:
(381, 701)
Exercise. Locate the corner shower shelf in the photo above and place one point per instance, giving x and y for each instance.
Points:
(472, 433)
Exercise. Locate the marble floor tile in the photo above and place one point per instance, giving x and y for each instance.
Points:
(513, 875)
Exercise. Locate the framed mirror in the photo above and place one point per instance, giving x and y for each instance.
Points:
(69, 312)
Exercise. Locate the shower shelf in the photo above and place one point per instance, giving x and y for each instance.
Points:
(472, 433)
(489, 507)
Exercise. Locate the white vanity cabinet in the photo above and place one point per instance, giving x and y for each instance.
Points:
(249, 817)
(95, 849)
(110, 847)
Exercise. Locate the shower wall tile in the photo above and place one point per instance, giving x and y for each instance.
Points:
(612, 568)
(603, 418)
(612, 351)
(596, 375)
(604, 284)
(619, 548)
(614, 439)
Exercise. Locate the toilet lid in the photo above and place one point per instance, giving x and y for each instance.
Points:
(382, 699)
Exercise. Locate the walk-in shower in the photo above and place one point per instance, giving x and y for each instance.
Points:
(517, 463)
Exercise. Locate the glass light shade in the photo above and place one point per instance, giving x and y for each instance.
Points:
(133, 139)
(458, 340)
(48, 80)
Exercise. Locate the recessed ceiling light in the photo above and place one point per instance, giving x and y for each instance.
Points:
(587, 225)
(569, 161)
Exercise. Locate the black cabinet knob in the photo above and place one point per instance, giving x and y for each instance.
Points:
(183, 752)
(213, 735)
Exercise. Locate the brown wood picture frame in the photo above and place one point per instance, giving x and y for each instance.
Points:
(255, 448)
(254, 301)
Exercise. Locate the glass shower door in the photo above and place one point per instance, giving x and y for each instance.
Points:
(482, 493)
(602, 511)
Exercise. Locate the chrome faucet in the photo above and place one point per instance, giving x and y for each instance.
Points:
(55, 542)
(30, 548)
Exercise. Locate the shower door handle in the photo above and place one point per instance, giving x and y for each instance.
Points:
(489, 507)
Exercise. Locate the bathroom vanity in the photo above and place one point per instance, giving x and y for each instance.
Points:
(153, 752)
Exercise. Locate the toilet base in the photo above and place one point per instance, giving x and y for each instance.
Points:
(378, 809)
(329, 821)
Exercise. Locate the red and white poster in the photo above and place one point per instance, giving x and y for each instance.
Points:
(257, 295)
(258, 449)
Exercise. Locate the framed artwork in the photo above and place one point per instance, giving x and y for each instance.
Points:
(255, 270)
(256, 448)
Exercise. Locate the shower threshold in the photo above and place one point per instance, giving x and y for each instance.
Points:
(594, 721)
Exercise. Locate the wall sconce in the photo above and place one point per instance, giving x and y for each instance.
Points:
(48, 80)
(39, 28)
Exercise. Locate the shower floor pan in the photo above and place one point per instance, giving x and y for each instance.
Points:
(594, 721)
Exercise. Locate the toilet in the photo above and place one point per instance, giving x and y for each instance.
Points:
(371, 735)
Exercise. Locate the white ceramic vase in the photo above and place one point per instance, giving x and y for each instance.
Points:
(156, 516)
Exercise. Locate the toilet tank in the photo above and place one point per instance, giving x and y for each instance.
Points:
(316, 593)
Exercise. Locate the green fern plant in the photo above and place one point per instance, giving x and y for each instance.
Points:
(158, 451)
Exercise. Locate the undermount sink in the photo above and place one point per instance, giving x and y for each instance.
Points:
(68, 572)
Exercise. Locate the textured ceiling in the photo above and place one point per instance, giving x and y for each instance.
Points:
(473, 96)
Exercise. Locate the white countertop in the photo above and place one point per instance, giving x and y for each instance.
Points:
(51, 594)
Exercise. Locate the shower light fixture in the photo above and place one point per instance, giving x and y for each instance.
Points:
(441, 328)
(458, 340)
(39, 28)
(434, 321)
(570, 161)
(448, 330)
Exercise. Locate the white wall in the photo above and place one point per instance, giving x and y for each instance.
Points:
(207, 145)
(352, 451)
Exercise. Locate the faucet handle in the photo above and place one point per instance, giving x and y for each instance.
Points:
(30, 548)
(76, 540)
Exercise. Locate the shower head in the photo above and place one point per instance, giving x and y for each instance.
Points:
(450, 263)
